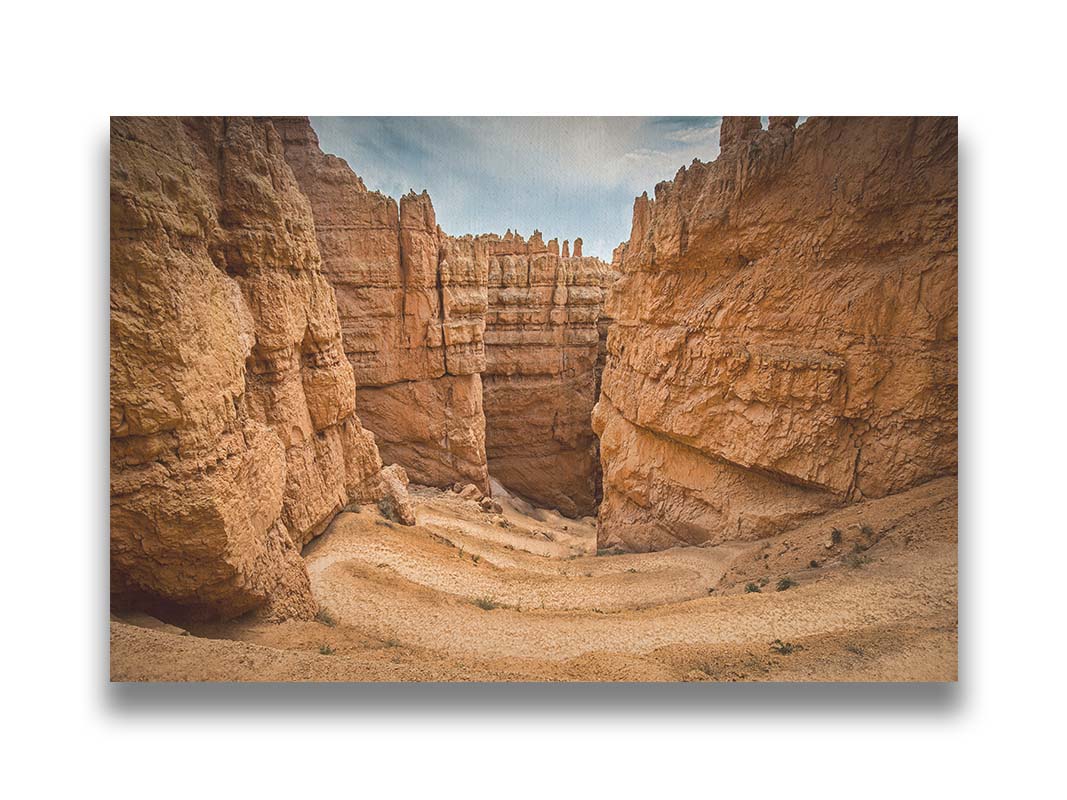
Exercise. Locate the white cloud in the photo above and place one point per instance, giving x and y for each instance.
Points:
(567, 176)
(703, 134)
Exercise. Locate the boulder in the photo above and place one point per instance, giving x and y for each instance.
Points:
(470, 492)
(396, 503)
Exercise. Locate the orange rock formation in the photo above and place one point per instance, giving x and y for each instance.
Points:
(233, 433)
(541, 380)
(785, 335)
(412, 306)
(784, 341)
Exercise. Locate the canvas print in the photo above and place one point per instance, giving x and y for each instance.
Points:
(533, 399)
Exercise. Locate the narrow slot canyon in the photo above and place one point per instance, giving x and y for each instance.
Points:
(348, 445)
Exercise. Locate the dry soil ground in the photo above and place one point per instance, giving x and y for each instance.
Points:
(522, 595)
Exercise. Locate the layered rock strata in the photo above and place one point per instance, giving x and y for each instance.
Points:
(785, 335)
(541, 378)
(412, 305)
(234, 437)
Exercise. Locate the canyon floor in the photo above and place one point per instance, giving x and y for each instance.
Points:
(523, 596)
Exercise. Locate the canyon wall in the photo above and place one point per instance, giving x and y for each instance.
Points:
(234, 438)
(785, 331)
(412, 304)
(472, 354)
(541, 377)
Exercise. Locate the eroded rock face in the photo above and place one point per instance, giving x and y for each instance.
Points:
(233, 433)
(412, 306)
(785, 335)
(541, 379)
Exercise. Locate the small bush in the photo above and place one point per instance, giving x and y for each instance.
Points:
(751, 587)
(867, 531)
(813, 564)
(835, 536)
(786, 583)
(856, 650)
(783, 648)
(764, 581)
(857, 560)
(325, 617)
(486, 603)
(325, 649)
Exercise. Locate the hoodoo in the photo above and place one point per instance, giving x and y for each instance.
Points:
(473, 355)
(541, 381)
(234, 438)
(785, 332)
(412, 306)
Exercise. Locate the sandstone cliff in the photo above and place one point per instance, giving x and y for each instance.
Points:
(415, 305)
(785, 336)
(233, 433)
(541, 378)
(412, 304)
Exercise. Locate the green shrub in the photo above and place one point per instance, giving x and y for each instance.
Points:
(325, 617)
(857, 560)
(786, 583)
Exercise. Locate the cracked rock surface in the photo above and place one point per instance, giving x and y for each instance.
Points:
(785, 332)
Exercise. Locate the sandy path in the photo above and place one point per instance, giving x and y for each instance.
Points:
(405, 599)
(410, 613)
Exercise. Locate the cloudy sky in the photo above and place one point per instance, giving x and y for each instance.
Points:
(566, 176)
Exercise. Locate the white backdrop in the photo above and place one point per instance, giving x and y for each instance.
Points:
(67, 68)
